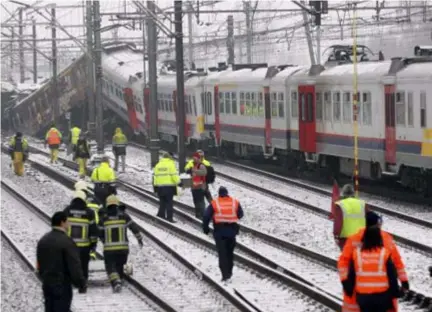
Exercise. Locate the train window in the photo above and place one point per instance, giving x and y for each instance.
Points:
(209, 103)
(260, 104)
(159, 101)
(319, 106)
(170, 102)
(303, 107)
(336, 106)
(203, 106)
(347, 111)
(194, 105)
(248, 104)
(234, 102)
(294, 104)
(327, 106)
(186, 104)
(190, 104)
(423, 109)
(242, 103)
(227, 103)
(310, 107)
(359, 107)
(221, 102)
(400, 108)
(254, 102)
(281, 104)
(273, 101)
(367, 108)
(410, 110)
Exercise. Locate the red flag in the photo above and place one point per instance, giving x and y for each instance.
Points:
(335, 198)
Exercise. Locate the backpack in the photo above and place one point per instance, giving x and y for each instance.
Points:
(211, 175)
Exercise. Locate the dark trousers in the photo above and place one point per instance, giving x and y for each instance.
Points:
(379, 302)
(208, 195)
(85, 259)
(114, 262)
(166, 207)
(102, 191)
(198, 199)
(58, 298)
(225, 248)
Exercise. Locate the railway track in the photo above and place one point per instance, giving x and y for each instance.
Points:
(31, 223)
(272, 285)
(315, 268)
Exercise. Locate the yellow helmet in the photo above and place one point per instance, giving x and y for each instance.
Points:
(80, 185)
(112, 200)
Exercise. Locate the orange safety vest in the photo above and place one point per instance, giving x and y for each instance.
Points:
(371, 270)
(225, 210)
(198, 181)
(53, 137)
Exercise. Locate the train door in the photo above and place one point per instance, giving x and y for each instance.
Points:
(268, 123)
(390, 126)
(129, 99)
(307, 123)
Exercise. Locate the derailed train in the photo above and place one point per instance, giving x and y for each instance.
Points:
(300, 115)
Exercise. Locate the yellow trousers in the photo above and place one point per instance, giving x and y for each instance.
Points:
(18, 163)
(82, 163)
(54, 154)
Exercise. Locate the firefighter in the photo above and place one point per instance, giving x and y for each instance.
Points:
(103, 178)
(53, 138)
(165, 182)
(119, 143)
(345, 260)
(82, 228)
(199, 185)
(210, 177)
(349, 216)
(18, 149)
(113, 225)
(74, 137)
(82, 154)
(225, 211)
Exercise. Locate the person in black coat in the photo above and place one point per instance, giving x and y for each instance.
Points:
(59, 266)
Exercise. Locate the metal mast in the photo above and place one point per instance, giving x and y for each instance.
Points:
(91, 126)
(98, 71)
(190, 36)
(35, 73)
(21, 46)
(56, 108)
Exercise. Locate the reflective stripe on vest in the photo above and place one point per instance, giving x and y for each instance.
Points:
(83, 240)
(354, 216)
(119, 243)
(225, 210)
(371, 271)
(53, 137)
(198, 180)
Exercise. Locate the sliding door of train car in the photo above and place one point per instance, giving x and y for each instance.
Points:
(390, 124)
(307, 123)
(129, 99)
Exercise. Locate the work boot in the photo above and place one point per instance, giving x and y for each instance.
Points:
(117, 287)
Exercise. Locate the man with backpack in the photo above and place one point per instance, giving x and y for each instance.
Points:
(210, 177)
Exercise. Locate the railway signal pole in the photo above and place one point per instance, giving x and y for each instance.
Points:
(98, 72)
(178, 20)
(55, 100)
(152, 54)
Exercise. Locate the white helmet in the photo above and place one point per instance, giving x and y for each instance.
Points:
(80, 194)
(81, 185)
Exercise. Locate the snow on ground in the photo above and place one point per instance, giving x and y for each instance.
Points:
(168, 277)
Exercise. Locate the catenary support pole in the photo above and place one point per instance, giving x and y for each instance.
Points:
(180, 83)
(190, 36)
(308, 35)
(55, 95)
(318, 41)
(91, 126)
(145, 56)
(152, 54)
(98, 75)
(230, 39)
(35, 71)
(355, 100)
(248, 31)
(21, 46)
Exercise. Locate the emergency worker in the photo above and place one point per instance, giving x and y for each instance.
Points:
(165, 182)
(59, 266)
(82, 154)
(369, 268)
(113, 225)
(225, 211)
(53, 138)
(349, 216)
(74, 137)
(103, 178)
(82, 228)
(199, 185)
(18, 149)
(188, 169)
(119, 143)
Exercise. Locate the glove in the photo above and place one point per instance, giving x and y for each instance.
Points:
(405, 286)
(140, 243)
(93, 255)
(83, 289)
(206, 231)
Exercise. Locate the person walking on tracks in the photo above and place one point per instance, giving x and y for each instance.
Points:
(119, 144)
(199, 185)
(18, 149)
(74, 135)
(210, 176)
(53, 138)
(165, 182)
(225, 211)
(104, 179)
(59, 266)
(113, 225)
(82, 154)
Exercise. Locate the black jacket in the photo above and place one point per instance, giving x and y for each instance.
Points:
(58, 260)
(78, 209)
(82, 149)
